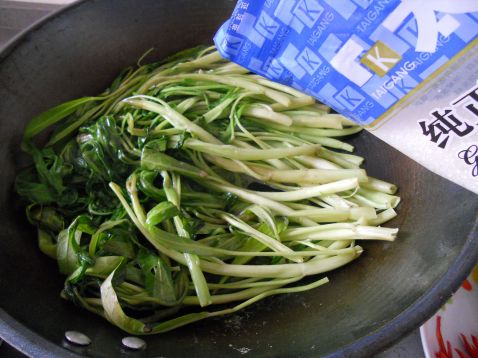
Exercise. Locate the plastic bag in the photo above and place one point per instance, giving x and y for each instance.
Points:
(407, 69)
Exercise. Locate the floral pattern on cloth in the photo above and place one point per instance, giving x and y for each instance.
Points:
(453, 331)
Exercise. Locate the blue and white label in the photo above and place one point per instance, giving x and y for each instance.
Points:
(360, 57)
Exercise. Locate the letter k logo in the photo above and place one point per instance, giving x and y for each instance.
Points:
(380, 58)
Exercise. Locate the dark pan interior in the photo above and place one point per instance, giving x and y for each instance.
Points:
(391, 289)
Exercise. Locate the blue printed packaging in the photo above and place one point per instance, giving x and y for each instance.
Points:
(359, 57)
(407, 69)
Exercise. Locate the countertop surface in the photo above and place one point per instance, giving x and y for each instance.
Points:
(16, 16)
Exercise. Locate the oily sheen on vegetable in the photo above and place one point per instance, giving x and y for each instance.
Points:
(191, 182)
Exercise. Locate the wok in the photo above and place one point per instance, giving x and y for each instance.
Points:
(368, 305)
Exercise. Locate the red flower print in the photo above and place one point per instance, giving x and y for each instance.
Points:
(445, 351)
(467, 285)
(471, 348)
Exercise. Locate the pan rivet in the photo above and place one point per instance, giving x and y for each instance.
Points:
(133, 343)
(77, 338)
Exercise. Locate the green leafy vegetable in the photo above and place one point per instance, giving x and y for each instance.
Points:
(191, 182)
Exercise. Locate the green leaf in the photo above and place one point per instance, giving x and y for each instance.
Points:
(52, 116)
(49, 167)
(146, 185)
(119, 245)
(35, 192)
(114, 237)
(102, 151)
(163, 211)
(160, 282)
(159, 145)
(45, 217)
(66, 253)
(69, 253)
(104, 266)
(112, 307)
(192, 226)
(158, 279)
(47, 244)
(46, 185)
